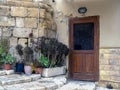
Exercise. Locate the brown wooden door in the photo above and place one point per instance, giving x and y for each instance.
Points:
(84, 48)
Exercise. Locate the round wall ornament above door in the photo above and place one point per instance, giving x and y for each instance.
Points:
(82, 10)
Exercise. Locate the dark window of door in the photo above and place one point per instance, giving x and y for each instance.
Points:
(83, 35)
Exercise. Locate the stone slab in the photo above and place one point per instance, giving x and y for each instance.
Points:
(15, 79)
(21, 32)
(5, 21)
(31, 22)
(4, 11)
(32, 12)
(6, 72)
(19, 11)
(19, 22)
(78, 85)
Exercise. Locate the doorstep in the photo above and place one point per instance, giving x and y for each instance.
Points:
(31, 82)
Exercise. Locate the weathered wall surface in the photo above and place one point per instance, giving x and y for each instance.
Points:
(18, 18)
(110, 66)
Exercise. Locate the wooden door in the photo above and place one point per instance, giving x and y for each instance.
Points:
(84, 48)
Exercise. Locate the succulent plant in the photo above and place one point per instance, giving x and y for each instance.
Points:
(55, 51)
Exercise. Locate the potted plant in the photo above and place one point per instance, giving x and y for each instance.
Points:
(43, 63)
(52, 57)
(5, 57)
(8, 59)
(28, 57)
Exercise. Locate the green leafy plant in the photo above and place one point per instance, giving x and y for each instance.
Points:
(5, 56)
(8, 58)
(43, 61)
(5, 44)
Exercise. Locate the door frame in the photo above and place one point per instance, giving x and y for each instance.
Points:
(71, 20)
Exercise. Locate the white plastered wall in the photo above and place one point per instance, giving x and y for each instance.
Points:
(108, 10)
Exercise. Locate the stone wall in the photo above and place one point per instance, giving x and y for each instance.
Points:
(110, 67)
(18, 18)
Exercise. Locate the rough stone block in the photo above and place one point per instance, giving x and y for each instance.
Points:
(5, 32)
(104, 61)
(42, 13)
(48, 15)
(21, 32)
(5, 21)
(22, 42)
(38, 32)
(114, 62)
(43, 25)
(35, 33)
(31, 22)
(4, 11)
(19, 3)
(110, 67)
(19, 22)
(13, 41)
(2, 1)
(114, 73)
(19, 11)
(104, 72)
(105, 77)
(32, 12)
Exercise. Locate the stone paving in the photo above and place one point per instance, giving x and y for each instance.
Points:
(11, 81)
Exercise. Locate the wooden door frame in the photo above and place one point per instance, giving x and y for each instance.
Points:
(71, 20)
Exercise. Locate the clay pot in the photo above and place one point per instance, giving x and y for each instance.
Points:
(38, 70)
(7, 66)
(28, 70)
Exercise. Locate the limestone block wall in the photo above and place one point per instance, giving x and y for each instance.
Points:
(110, 66)
(18, 18)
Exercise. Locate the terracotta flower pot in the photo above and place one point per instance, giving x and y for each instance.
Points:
(28, 70)
(7, 66)
(38, 70)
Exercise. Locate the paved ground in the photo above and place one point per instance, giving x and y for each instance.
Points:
(11, 81)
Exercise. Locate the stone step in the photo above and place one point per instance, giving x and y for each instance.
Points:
(52, 83)
(16, 78)
(78, 85)
(6, 72)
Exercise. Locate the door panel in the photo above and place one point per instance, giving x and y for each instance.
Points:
(84, 48)
(89, 62)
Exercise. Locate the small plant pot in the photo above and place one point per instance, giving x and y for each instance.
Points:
(7, 66)
(19, 68)
(38, 70)
(28, 70)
